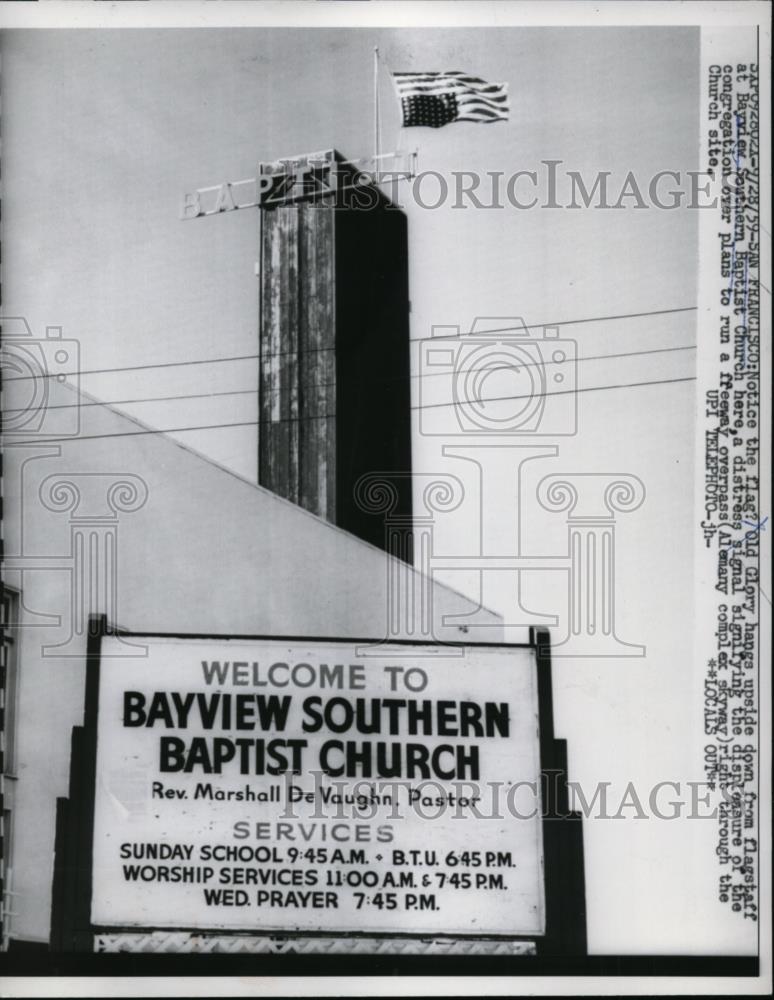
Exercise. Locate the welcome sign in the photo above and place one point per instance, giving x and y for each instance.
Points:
(275, 785)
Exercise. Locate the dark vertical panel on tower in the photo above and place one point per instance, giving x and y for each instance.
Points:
(373, 393)
(334, 349)
(317, 360)
(279, 385)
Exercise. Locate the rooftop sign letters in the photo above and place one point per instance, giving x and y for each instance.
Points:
(300, 178)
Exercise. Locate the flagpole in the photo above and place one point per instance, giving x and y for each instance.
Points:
(377, 123)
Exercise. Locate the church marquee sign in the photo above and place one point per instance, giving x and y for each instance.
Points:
(277, 786)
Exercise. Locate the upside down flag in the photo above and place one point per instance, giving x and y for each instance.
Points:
(437, 99)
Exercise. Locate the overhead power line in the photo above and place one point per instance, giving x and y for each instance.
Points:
(569, 322)
(327, 416)
(323, 385)
(317, 350)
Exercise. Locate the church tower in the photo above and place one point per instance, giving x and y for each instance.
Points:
(334, 394)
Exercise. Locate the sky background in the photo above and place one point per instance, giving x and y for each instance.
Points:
(104, 130)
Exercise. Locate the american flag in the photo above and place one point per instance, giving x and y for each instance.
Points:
(436, 99)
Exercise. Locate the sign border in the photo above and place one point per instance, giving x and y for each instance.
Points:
(563, 864)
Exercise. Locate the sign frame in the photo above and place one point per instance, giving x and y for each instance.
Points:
(72, 929)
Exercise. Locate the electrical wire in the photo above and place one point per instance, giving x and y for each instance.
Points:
(318, 350)
(328, 416)
(323, 385)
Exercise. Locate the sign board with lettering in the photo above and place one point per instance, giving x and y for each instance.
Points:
(275, 785)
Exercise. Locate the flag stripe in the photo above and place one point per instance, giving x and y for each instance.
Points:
(500, 96)
(474, 109)
(486, 112)
(442, 76)
(472, 99)
(479, 117)
(484, 100)
(448, 82)
(472, 82)
(429, 86)
(492, 101)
